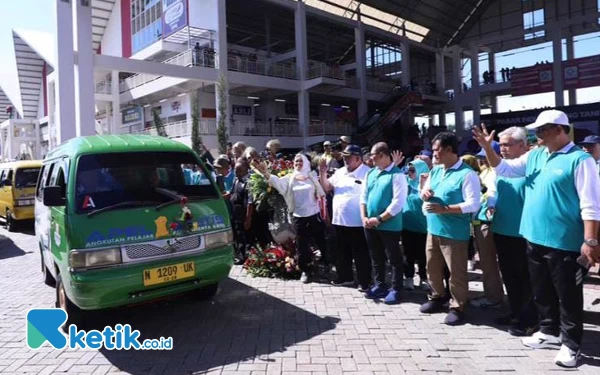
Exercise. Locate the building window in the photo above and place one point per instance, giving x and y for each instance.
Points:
(533, 19)
(146, 23)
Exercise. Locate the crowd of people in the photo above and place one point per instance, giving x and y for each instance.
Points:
(531, 212)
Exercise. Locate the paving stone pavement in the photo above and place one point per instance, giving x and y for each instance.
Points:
(262, 326)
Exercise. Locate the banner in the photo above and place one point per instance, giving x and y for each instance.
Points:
(133, 115)
(174, 17)
(577, 74)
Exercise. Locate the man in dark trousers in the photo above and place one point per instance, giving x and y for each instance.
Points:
(381, 206)
(243, 209)
(560, 221)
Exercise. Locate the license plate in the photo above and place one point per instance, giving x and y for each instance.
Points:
(159, 275)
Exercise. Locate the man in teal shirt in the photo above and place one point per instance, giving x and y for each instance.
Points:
(505, 208)
(381, 204)
(560, 221)
(452, 193)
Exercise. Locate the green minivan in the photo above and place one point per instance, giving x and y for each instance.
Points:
(124, 219)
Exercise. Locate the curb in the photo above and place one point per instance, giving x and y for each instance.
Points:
(3, 238)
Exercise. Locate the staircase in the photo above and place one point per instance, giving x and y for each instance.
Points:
(375, 127)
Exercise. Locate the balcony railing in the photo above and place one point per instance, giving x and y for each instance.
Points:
(325, 71)
(329, 128)
(284, 129)
(379, 86)
(190, 57)
(103, 87)
(244, 65)
(182, 128)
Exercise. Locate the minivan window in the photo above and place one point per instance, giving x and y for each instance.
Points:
(26, 177)
(104, 180)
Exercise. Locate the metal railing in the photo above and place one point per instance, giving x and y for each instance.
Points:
(103, 87)
(329, 128)
(182, 128)
(379, 86)
(325, 71)
(189, 57)
(244, 65)
(283, 129)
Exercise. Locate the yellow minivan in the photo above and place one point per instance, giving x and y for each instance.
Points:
(17, 191)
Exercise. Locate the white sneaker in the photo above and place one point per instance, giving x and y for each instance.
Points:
(409, 284)
(541, 340)
(304, 278)
(470, 265)
(566, 357)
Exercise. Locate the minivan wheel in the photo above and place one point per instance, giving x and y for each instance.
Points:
(10, 223)
(74, 314)
(208, 292)
(47, 276)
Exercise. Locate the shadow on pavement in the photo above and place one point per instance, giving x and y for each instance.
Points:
(8, 249)
(240, 323)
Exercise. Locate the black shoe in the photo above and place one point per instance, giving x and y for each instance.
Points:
(454, 317)
(364, 288)
(349, 283)
(506, 320)
(521, 330)
(433, 306)
(238, 261)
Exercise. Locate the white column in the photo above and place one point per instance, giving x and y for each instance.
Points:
(223, 53)
(457, 72)
(494, 99)
(440, 73)
(459, 120)
(476, 96)
(557, 76)
(361, 68)
(65, 85)
(571, 56)
(492, 66)
(116, 103)
(302, 67)
(84, 70)
(38, 141)
(442, 117)
(11, 139)
(406, 75)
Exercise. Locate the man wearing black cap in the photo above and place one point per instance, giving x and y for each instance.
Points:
(591, 145)
(346, 184)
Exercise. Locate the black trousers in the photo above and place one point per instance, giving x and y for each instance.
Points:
(414, 250)
(557, 281)
(514, 266)
(307, 228)
(385, 245)
(352, 245)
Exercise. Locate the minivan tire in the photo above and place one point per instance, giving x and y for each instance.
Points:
(75, 314)
(9, 222)
(47, 276)
(208, 292)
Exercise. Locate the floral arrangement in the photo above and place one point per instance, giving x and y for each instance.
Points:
(274, 261)
(264, 195)
(184, 220)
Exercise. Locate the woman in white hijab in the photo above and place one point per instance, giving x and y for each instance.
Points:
(302, 192)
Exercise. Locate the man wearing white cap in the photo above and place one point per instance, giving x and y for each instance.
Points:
(560, 221)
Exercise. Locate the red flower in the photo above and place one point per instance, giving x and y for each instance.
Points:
(173, 226)
(184, 200)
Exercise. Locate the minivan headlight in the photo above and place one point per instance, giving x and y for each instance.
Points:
(94, 258)
(218, 239)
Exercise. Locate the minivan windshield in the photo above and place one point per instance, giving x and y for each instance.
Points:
(133, 179)
(26, 177)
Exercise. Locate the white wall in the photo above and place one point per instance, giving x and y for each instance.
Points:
(167, 108)
(40, 112)
(112, 42)
(203, 14)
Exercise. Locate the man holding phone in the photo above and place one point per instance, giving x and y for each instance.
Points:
(560, 220)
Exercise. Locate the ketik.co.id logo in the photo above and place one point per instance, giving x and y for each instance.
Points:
(45, 325)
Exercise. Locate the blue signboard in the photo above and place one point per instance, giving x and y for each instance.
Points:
(174, 17)
(133, 115)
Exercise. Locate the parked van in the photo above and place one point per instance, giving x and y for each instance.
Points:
(124, 219)
(17, 191)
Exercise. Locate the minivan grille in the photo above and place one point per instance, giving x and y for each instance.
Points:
(138, 251)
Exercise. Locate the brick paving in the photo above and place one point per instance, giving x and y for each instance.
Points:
(262, 326)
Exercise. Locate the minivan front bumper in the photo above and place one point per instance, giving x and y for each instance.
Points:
(123, 285)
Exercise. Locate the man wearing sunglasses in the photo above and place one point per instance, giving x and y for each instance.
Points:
(560, 221)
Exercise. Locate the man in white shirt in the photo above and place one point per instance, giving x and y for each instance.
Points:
(381, 204)
(346, 184)
(560, 221)
(591, 145)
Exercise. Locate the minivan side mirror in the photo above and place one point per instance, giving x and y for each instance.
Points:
(53, 196)
(6, 182)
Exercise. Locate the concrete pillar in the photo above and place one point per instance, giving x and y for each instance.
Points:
(11, 140)
(38, 141)
(304, 115)
(64, 69)
(440, 73)
(475, 94)
(492, 67)
(494, 103)
(115, 104)
(406, 74)
(459, 120)
(557, 76)
(571, 56)
(302, 69)
(223, 68)
(457, 72)
(442, 117)
(84, 70)
(361, 68)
